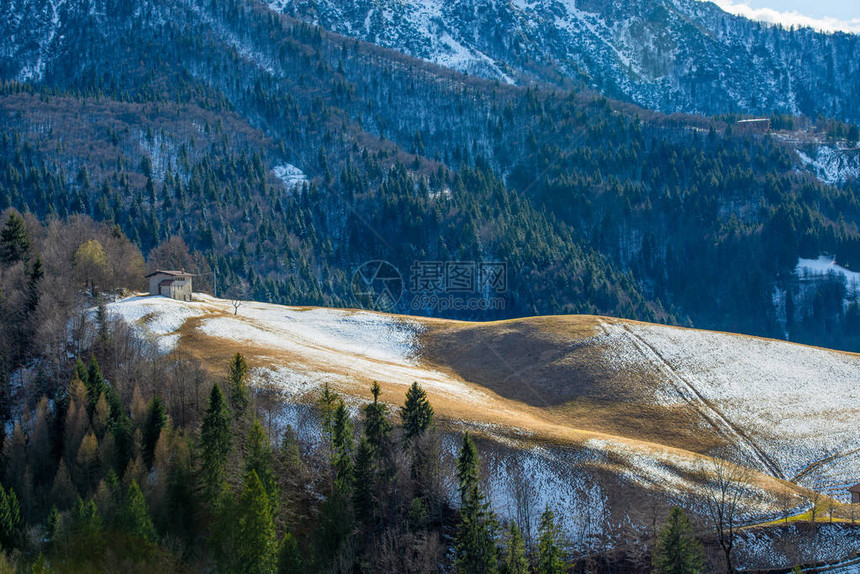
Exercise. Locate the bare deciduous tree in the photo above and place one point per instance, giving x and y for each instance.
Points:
(726, 488)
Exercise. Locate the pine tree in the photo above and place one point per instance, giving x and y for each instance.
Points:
(377, 427)
(156, 420)
(134, 516)
(515, 561)
(256, 543)
(549, 559)
(416, 413)
(236, 385)
(677, 551)
(475, 546)
(37, 273)
(14, 240)
(215, 445)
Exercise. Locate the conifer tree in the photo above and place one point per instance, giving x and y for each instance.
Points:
(342, 441)
(515, 561)
(327, 405)
(377, 427)
(256, 543)
(549, 558)
(215, 445)
(416, 413)
(14, 240)
(677, 551)
(236, 384)
(95, 383)
(475, 544)
(10, 519)
(134, 516)
(365, 475)
(156, 420)
(289, 556)
(259, 459)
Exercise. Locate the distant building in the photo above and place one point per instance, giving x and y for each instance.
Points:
(753, 126)
(855, 493)
(173, 284)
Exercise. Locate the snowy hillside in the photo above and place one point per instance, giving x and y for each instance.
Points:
(790, 411)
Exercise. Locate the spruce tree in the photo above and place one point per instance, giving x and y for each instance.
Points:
(515, 561)
(327, 404)
(677, 551)
(134, 516)
(416, 413)
(14, 240)
(342, 441)
(236, 384)
(259, 459)
(363, 485)
(377, 427)
(156, 420)
(95, 383)
(256, 543)
(549, 559)
(475, 545)
(215, 445)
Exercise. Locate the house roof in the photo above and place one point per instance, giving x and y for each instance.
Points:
(855, 488)
(170, 273)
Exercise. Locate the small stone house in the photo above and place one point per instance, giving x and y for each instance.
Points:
(173, 284)
(855, 493)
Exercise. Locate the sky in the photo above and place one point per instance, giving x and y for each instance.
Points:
(827, 15)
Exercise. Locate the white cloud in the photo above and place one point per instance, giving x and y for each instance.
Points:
(788, 19)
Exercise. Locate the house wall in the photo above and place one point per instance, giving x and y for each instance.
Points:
(181, 289)
(153, 283)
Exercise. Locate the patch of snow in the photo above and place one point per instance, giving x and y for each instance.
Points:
(155, 318)
(832, 164)
(290, 175)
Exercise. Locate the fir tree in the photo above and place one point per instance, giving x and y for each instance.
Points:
(677, 551)
(256, 543)
(416, 413)
(215, 445)
(37, 273)
(515, 561)
(156, 420)
(14, 240)
(236, 385)
(327, 405)
(475, 545)
(549, 557)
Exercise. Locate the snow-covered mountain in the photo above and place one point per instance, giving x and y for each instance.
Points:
(670, 55)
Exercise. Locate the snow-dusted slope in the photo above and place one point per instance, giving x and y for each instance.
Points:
(671, 55)
(790, 411)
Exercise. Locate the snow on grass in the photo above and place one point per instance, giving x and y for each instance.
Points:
(785, 546)
(155, 318)
(783, 403)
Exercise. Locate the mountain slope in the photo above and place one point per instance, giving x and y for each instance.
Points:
(671, 55)
(785, 410)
